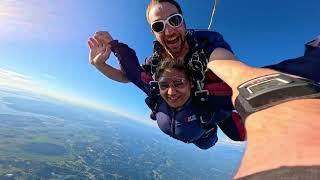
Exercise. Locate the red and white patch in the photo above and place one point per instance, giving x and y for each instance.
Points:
(190, 118)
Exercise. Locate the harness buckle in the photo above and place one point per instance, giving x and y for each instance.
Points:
(195, 62)
(154, 64)
(196, 65)
(202, 120)
(201, 93)
(198, 75)
(152, 99)
(153, 84)
(205, 122)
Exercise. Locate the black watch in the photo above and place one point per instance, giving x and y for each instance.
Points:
(266, 91)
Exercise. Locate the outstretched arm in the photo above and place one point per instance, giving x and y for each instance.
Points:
(129, 64)
(99, 53)
(221, 53)
(272, 131)
(130, 67)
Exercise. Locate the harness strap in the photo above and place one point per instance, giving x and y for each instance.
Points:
(198, 66)
(154, 97)
(155, 60)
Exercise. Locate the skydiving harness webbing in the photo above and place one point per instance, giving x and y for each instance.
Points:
(154, 97)
(197, 65)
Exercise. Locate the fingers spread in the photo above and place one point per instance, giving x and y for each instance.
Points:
(94, 41)
(90, 44)
(103, 36)
(107, 52)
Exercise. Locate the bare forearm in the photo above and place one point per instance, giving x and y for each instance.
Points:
(112, 73)
(282, 135)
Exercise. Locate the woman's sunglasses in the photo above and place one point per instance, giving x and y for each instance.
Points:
(174, 20)
(165, 83)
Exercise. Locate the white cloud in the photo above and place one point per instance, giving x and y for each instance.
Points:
(34, 19)
(17, 80)
(8, 77)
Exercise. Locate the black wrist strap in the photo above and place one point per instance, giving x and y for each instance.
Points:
(309, 91)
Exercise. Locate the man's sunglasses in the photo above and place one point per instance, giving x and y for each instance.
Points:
(165, 83)
(174, 20)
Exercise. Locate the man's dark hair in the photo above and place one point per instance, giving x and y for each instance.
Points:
(153, 2)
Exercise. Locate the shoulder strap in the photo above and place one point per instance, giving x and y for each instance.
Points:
(151, 66)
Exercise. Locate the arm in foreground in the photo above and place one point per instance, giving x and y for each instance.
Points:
(281, 135)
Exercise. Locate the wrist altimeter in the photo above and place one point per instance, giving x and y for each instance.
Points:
(266, 91)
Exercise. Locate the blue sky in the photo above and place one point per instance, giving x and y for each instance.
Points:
(44, 43)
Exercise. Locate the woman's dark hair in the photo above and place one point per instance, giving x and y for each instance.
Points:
(153, 2)
(170, 63)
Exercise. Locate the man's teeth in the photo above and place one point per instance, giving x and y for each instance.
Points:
(173, 98)
(172, 40)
